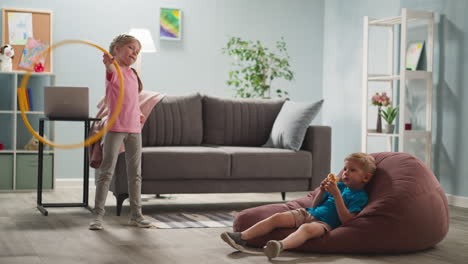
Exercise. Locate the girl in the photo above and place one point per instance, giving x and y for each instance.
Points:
(126, 129)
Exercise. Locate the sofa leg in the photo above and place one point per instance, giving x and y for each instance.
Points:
(283, 195)
(120, 199)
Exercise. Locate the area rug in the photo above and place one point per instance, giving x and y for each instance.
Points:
(193, 220)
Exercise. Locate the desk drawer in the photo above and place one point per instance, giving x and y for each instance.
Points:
(26, 171)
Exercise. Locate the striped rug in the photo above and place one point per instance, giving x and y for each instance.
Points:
(193, 220)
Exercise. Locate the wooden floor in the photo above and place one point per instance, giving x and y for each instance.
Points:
(63, 237)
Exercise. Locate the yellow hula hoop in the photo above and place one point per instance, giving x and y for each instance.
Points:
(88, 141)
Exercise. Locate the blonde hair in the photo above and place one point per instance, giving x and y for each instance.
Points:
(366, 161)
(123, 39)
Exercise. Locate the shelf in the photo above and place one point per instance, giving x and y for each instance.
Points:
(410, 75)
(371, 132)
(34, 151)
(410, 16)
(18, 166)
(416, 133)
(31, 112)
(399, 82)
(24, 72)
(408, 133)
(385, 21)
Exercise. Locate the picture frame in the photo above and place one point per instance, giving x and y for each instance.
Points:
(413, 55)
(170, 23)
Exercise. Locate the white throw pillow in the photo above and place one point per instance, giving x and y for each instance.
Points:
(291, 124)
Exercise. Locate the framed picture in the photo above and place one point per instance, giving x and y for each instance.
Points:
(170, 24)
(413, 55)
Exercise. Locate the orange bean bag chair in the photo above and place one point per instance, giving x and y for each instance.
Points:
(407, 211)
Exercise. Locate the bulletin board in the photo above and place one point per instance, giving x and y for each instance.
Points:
(41, 30)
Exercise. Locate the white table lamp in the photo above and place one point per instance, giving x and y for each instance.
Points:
(147, 44)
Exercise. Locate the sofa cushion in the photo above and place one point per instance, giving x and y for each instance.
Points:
(175, 121)
(291, 124)
(184, 162)
(238, 122)
(268, 163)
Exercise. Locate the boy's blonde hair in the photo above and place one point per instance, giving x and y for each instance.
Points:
(366, 161)
(123, 39)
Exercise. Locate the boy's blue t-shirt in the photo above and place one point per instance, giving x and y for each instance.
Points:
(326, 211)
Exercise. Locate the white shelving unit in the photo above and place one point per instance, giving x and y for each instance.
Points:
(18, 166)
(402, 77)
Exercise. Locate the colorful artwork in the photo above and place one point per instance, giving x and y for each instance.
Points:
(413, 55)
(31, 56)
(170, 24)
(19, 28)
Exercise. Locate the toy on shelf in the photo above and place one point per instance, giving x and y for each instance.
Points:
(33, 144)
(6, 58)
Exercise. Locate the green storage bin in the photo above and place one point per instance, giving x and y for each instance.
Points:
(6, 171)
(26, 171)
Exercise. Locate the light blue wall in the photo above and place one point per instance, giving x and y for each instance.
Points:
(451, 82)
(342, 70)
(194, 64)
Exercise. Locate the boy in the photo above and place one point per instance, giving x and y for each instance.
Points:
(335, 204)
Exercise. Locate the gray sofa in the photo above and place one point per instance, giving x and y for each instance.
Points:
(204, 144)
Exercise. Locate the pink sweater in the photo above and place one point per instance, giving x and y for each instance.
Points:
(128, 119)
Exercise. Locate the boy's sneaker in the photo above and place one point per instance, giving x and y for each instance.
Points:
(140, 222)
(96, 224)
(234, 240)
(273, 248)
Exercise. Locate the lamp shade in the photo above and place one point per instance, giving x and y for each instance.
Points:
(144, 36)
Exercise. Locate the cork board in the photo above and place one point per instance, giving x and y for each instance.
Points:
(42, 30)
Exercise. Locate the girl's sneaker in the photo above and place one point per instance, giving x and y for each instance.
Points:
(96, 224)
(140, 222)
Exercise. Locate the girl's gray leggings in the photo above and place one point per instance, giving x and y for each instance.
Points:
(112, 143)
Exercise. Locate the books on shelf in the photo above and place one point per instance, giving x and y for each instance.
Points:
(29, 105)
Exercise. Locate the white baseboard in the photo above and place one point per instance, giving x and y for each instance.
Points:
(460, 201)
(72, 182)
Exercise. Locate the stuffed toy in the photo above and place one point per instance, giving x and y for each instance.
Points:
(6, 58)
(33, 144)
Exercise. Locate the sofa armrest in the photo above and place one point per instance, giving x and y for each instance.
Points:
(318, 141)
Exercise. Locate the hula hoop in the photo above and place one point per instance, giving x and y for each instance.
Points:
(88, 141)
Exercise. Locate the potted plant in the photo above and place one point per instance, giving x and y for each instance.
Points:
(255, 68)
(380, 100)
(389, 115)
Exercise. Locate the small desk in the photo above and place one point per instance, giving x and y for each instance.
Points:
(41, 206)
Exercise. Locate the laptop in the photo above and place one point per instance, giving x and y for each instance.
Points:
(66, 102)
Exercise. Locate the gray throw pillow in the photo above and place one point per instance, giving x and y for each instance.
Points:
(291, 124)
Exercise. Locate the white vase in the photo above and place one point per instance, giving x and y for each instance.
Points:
(389, 128)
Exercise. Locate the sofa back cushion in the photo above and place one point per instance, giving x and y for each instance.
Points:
(175, 121)
(238, 122)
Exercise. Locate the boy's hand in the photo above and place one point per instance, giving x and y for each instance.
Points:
(142, 118)
(332, 188)
(323, 183)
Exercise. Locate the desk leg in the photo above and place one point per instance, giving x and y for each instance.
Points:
(86, 168)
(40, 170)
